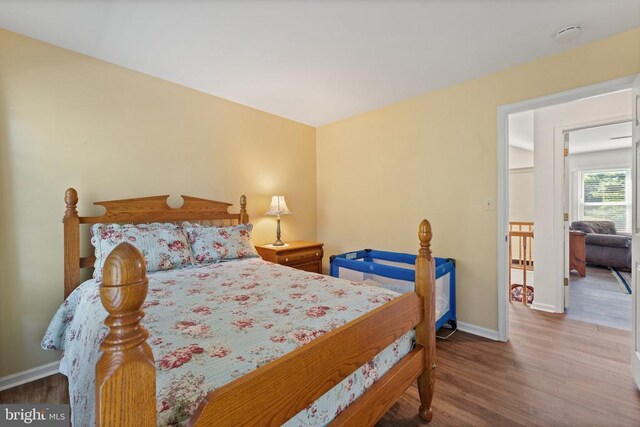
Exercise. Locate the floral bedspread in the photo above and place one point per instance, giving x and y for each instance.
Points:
(212, 324)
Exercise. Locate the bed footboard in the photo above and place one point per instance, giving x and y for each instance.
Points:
(425, 330)
(277, 391)
(125, 374)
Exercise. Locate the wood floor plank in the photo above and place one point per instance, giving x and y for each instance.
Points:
(554, 371)
(52, 389)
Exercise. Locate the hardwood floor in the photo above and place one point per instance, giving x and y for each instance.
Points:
(554, 372)
(598, 298)
(51, 389)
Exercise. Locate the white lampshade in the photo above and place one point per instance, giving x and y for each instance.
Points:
(278, 206)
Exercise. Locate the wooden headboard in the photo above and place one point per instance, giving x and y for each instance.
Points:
(139, 210)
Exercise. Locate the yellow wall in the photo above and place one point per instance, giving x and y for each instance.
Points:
(70, 120)
(435, 156)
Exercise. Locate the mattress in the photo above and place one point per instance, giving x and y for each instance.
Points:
(210, 325)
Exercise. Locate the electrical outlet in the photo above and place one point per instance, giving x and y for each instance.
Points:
(489, 204)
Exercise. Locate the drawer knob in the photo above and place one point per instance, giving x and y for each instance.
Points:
(286, 259)
(317, 254)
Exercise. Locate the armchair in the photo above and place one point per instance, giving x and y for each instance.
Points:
(605, 246)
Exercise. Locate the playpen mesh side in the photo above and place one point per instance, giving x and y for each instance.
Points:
(397, 285)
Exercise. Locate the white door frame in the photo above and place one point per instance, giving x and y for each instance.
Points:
(635, 234)
(503, 175)
(561, 292)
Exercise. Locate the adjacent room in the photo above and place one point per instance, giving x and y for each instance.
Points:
(591, 138)
(311, 213)
(601, 216)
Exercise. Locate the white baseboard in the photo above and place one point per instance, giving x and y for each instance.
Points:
(544, 307)
(29, 375)
(478, 330)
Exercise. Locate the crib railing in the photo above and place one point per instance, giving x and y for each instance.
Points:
(520, 253)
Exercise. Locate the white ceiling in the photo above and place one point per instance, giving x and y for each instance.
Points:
(316, 61)
(601, 138)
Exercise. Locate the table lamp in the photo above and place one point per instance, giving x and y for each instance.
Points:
(278, 207)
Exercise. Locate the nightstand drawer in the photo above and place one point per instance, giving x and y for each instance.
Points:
(299, 257)
(299, 254)
(312, 267)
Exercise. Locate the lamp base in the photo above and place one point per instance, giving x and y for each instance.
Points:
(278, 242)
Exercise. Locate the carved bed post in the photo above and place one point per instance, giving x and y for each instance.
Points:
(426, 329)
(244, 217)
(71, 223)
(125, 374)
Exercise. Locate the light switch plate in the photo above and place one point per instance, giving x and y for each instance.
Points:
(489, 204)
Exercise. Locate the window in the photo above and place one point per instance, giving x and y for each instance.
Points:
(605, 195)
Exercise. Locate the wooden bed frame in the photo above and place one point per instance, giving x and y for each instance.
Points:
(272, 394)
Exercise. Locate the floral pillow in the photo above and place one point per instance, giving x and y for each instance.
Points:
(164, 246)
(213, 244)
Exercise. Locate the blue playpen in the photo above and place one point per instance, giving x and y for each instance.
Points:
(396, 271)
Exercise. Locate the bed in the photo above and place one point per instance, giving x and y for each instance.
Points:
(396, 271)
(379, 332)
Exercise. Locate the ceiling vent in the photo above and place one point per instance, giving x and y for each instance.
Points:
(570, 32)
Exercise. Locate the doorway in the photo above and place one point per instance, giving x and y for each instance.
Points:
(550, 250)
(598, 190)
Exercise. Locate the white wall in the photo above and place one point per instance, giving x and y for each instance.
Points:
(520, 181)
(548, 203)
(521, 194)
(521, 130)
(521, 166)
(519, 158)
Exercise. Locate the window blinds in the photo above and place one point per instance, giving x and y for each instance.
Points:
(606, 196)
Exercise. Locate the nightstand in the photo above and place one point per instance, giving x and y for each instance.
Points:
(302, 255)
(577, 252)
